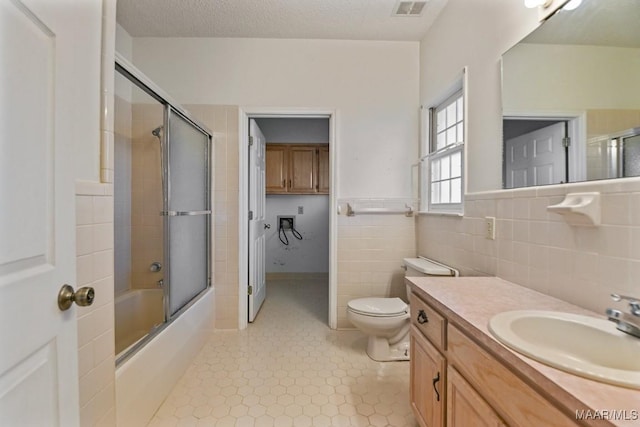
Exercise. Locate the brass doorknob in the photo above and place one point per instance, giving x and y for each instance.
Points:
(83, 297)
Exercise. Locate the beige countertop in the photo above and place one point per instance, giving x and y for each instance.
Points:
(469, 303)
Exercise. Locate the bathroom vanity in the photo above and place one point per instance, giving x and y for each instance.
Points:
(462, 376)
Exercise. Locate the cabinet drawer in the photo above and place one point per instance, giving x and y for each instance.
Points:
(516, 402)
(429, 322)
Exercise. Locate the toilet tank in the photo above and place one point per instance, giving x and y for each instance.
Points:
(416, 267)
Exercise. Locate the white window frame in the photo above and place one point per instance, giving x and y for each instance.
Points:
(433, 154)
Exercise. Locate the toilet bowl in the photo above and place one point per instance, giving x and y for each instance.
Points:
(387, 320)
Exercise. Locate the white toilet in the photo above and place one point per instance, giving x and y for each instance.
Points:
(387, 320)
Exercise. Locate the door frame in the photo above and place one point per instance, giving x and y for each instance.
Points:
(577, 127)
(246, 113)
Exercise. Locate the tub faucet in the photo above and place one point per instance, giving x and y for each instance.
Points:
(626, 322)
(155, 267)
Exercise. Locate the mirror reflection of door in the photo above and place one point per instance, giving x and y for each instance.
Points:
(534, 153)
(582, 63)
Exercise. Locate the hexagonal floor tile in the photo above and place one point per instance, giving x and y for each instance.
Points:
(288, 369)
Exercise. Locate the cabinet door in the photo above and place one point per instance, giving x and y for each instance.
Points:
(428, 371)
(323, 169)
(302, 169)
(465, 407)
(276, 163)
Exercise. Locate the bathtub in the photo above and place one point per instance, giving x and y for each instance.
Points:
(146, 378)
(136, 313)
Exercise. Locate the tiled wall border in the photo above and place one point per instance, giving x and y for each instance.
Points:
(539, 249)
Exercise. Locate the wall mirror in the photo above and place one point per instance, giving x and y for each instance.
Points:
(571, 97)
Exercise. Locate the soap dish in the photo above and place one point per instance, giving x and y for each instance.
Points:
(579, 208)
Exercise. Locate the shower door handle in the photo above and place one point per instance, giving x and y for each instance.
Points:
(184, 213)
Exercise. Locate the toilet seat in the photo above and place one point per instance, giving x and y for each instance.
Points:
(378, 307)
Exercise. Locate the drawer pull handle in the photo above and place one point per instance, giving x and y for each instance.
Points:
(422, 317)
(435, 381)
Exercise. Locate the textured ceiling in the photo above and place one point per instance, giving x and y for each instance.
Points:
(299, 19)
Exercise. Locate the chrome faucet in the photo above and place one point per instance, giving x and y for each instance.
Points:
(626, 322)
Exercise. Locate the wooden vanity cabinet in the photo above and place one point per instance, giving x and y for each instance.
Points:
(428, 376)
(474, 387)
(297, 169)
(516, 401)
(465, 406)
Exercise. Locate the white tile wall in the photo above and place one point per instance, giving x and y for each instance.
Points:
(96, 363)
(539, 249)
(370, 252)
(223, 121)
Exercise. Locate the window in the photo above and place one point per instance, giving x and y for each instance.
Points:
(444, 161)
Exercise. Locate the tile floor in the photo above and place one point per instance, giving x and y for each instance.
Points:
(289, 369)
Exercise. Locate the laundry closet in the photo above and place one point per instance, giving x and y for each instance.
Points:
(297, 198)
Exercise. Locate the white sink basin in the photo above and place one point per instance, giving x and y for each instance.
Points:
(581, 345)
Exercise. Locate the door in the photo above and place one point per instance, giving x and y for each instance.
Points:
(257, 281)
(302, 169)
(276, 167)
(536, 158)
(38, 107)
(189, 212)
(465, 407)
(323, 169)
(427, 391)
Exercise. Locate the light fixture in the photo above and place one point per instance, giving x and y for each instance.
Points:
(573, 4)
(535, 3)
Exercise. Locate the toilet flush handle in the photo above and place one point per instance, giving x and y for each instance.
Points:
(422, 317)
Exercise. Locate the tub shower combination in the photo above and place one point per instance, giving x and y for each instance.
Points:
(162, 240)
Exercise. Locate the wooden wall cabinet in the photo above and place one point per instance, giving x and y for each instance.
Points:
(323, 169)
(474, 388)
(276, 169)
(297, 169)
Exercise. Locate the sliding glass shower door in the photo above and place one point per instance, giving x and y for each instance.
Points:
(188, 211)
(162, 203)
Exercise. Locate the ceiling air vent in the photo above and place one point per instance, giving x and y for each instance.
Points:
(409, 8)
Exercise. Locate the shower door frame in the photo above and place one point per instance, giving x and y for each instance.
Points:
(167, 214)
(170, 106)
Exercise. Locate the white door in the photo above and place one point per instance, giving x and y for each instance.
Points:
(257, 282)
(536, 158)
(38, 341)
